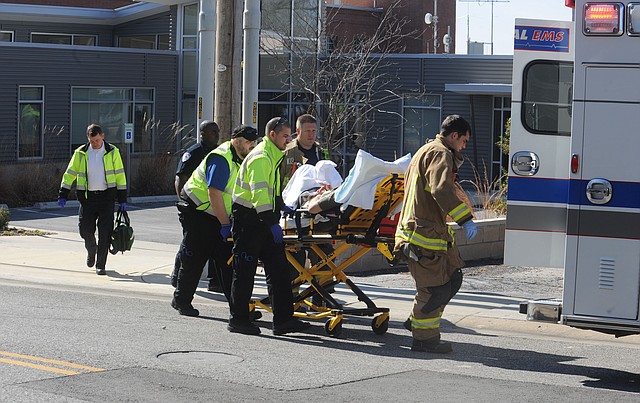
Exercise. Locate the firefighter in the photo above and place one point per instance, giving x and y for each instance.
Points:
(97, 169)
(423, 237)
(209, 136)
(304, 149)
(204, 208)
(257, 203)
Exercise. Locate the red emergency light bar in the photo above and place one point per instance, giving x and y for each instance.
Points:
(570, 3)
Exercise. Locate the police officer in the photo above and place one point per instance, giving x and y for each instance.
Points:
(257, 203)
(209, 136)
(423, 238)
(204, 208)
(97, 169)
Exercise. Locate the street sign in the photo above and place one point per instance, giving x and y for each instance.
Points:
(128, 133)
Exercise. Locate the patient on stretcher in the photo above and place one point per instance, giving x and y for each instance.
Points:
(316, 195)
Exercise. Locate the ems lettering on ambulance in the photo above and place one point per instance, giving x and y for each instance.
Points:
(547, 39)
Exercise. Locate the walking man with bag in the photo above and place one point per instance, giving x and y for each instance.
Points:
(98, 172)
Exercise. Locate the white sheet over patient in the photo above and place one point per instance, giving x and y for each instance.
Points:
(309, 177)
(359, 188)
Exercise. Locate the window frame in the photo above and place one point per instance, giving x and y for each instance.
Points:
(71, 36)
(12, 33)
(525, 102)
(406, 106)
(41, 101)
(131, 103)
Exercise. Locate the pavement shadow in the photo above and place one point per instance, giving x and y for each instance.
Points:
(398, 345)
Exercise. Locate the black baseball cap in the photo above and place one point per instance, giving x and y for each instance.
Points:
(245, 131)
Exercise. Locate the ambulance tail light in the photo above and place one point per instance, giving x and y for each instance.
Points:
(570, 3)
(603, 19)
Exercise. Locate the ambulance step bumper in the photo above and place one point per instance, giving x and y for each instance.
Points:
(544, 310)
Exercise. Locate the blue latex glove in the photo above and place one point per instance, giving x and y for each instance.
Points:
(62, 202)
(276, 231)
(470, 229)
(123, 206)
(225, 231)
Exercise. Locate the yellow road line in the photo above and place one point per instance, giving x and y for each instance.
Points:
(38, 366)
(48, 361)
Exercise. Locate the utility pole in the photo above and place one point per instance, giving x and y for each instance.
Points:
(223, 68)
(251, 26)
(206, 60)
(236, 73)
(485, 1)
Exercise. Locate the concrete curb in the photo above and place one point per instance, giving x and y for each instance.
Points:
(132, 200)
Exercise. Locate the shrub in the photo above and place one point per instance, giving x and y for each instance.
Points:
(5, 217)
(490, 194)
(29, 184)
(154, 176)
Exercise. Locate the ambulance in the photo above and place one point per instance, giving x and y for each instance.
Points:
(574, 172)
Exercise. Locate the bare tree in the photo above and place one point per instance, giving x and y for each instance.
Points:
(346, 79)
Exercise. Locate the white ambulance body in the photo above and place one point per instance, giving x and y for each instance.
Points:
(574, 188)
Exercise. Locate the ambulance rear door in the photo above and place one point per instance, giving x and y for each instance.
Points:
(602, 270)
(539, 143)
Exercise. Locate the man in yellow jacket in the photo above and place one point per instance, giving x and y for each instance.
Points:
(97, 169)
(204, 211)
(423, 237)
(257, 234)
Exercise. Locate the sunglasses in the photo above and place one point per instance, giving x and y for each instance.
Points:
(280, 122)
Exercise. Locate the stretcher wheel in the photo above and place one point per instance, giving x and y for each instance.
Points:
(333, 327)
(379, 325)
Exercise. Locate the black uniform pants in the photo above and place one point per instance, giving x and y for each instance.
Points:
(253, 241)
(97, 208)
(178, 261)
(202, 241)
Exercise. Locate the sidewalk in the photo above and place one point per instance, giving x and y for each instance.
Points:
(58, 261)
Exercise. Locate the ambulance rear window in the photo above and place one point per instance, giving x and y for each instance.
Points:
(546, 97)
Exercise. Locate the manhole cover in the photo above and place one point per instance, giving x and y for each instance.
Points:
(199, 357)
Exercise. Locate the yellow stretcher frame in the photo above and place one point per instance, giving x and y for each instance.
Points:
(358, 227)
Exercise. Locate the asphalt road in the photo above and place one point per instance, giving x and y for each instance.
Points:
(64, 342)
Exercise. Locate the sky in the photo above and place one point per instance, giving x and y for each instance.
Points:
(505, 12)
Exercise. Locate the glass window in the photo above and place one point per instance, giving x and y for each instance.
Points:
(6, 36)
(64, 39)
(189, 70)
(501, 114)
(274, 72)
(547, 94)
(84, 40)
(190, 20)
(111, 108)
(422, 118)
(305, 24)
(54, 39)
(164, 42)
(276, 17)
(30, 109)
(137, 41)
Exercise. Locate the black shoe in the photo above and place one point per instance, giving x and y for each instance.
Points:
(255, 315)
(91, 259)
(186, 310)
(214, 287)
(437, 347)
(100, 271)
(407, 324)
(291, 326)
(244, 328)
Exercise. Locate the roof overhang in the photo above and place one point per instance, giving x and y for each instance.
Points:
(498, 89)
(74, 15)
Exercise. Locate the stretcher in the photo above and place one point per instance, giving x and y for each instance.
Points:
(363, 228)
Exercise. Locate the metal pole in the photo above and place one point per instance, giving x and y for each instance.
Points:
(206, 60)
(224, 68)
(251, 26)
(435, 26)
